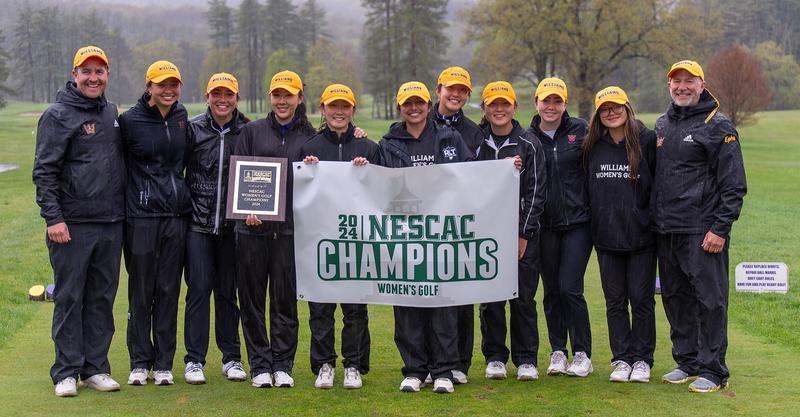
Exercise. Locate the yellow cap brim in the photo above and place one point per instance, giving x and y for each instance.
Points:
(332, 99)
(452, 83)
(425, 99)
(490, 100)
(551, 93)
(98, 56)
(162, 78)
(688, 69)
(292, 90)
(610, 100)
(225, 86)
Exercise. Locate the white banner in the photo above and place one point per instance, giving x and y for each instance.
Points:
(429, 236)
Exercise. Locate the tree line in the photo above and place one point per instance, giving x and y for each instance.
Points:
(589, 43)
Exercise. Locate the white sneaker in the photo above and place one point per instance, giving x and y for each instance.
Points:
(558, 363)
(194, 373)
(138, 376)
(234, 371)
(496, 370)
(325, 377)
(163, 377)
(283, 379)
(459, 377)
(581, 365)
(410, 384)
(428, 380)
(352, 378)
(621, 372)
(262, 380)
(66, 387)
(527, 372)
(443, 386)
(101, 382)
(641, 372)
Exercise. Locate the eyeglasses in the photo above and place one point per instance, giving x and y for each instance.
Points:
(607, 111)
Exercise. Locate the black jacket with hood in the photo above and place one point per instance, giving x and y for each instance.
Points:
(328, 146)
(78, 168)
(448, 145)
(700, 182)
(155, 148)
(567, 201)
(266, 137)
(207, 170)
(533, 176)
(621, 217)
(469, 130)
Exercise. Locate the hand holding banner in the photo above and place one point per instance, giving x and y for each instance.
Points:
(430, 236)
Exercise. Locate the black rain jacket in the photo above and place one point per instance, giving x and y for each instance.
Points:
(567, 201)
(207, 170)
(533, 176)
(264, 137)
(329, 146)
(700, 182)
(155, 148)
(621, 217)
(78, 168)
(469, 130)
(449, 145)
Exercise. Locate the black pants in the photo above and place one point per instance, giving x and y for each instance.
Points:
(524, 329)
(630, 278)
(154, 251)
(694, 289)
(86, 273)
(427, 340)
(465, 323)
(564, 255)
(264, 264)
(211, 267)
(355, 336)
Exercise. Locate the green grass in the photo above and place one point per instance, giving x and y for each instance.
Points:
(764, 353)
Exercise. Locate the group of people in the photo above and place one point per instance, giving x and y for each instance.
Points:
(152, 183)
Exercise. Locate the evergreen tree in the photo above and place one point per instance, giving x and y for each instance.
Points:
(4, 72)
(251, 39)
(220, 20)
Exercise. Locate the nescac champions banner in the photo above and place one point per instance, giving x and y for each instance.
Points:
(429, 236)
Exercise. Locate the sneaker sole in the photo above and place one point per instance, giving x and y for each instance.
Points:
(164, 382)
(408, 389)
(675, 381)
(102, 389)
(236, 379)
(67, 394)
(352, 386)
(261, 385)
(555, 372)
(640, 381)
(323, 386)
(579, 375)
(196, 382)
(137, 383)
(497, 377)
(285, 386)
(442, 391)
(527, 378)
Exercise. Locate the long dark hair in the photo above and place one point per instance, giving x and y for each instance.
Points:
(302, 118)
(632, 147)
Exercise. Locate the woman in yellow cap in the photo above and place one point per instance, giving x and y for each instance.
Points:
(155, 138)
(336, 141)
(417, 141)
(265, 249)
(506, 138)
(619, 156)
(565, 240)
(210, 241)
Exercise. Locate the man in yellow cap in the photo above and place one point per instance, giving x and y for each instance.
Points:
(417, 141)
(79, 175)
(698, 193)
(210, 240)
(453, 90)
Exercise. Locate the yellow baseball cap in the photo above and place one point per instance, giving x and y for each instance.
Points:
(223, 79)
(455, 76)
(161, 70)
(88, 52)
(693, 67)
(550, 86)
(287, 80)
(498, 89)
(413, 89)
(335, 92)
(613, 94)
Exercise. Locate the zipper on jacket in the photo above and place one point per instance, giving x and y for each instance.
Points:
(171, 175)
(561, 188)
(340, 151)
(219, 179)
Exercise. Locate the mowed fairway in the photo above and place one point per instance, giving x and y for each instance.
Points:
(764, 332)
